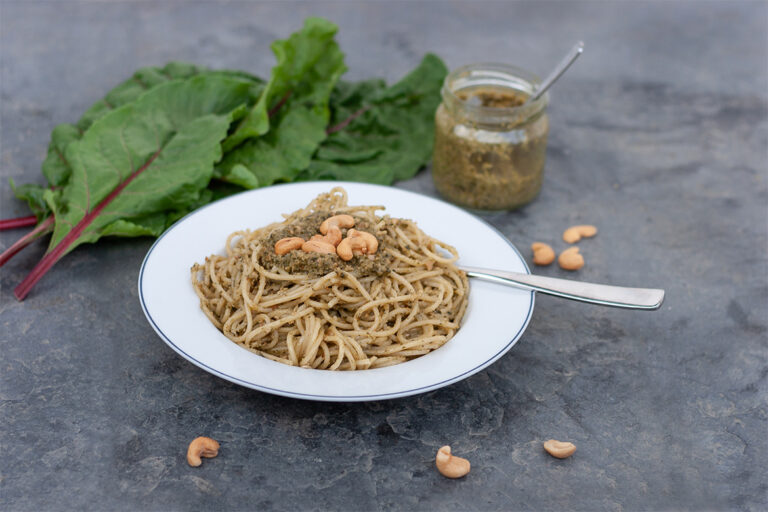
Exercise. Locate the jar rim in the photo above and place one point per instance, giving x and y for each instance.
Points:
(503, 75)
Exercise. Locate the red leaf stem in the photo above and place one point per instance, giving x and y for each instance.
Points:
(345, 123)
(45, 264)
(18, 222)
(279, 104)
(26, 240)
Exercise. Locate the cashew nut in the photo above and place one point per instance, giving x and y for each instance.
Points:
(318, 246)
(570, 259)
(449, 465)
(333, 236)
(575, 233)
(340, 221)
(559, 449)
(542, 253)
(201, 447)
(286, 245)
(351, 246)
(371, 243)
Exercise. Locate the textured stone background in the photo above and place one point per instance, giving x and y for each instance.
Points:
(659, 137)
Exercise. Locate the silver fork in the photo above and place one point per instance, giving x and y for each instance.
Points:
(603, 294)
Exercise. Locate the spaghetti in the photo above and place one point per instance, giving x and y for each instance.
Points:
(316, 311)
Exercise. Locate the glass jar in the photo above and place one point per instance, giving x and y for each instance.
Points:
(489, 147)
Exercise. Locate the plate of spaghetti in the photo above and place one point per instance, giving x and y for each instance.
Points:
(333, 291)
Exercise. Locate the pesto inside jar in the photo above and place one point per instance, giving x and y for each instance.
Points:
(489, 145)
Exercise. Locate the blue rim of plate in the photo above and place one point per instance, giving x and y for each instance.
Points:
(332, 398)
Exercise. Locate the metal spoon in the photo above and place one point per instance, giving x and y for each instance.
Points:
(564, 64)
(605, 295)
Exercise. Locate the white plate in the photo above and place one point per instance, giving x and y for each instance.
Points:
(495, 319)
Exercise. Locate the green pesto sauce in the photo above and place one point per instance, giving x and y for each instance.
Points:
(316, 264)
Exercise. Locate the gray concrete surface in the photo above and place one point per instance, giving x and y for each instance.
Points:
(658, 136)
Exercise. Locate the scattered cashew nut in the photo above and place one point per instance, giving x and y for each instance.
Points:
(371, 243)
(570, 259)
(318, 246)
(449, 465)
(542, 253)
(340, 221)
(286, 245)
(201, 447)
(575, 233)
(559, 449)
(333, 236)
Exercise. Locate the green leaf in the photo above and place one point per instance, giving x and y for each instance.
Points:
(148, 225)
(155, 224)
(150, 156)
(310, 51)
(55, 166)
(309, 66)
(150, 77)
(390, 131)
(280, 155)
(220, 190)
(349, 97)
(33, 195)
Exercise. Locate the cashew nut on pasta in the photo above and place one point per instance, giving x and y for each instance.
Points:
(332, 235)
(371, 243)
(287, 245)
(351, 246)
(318, 246)
(340, 221)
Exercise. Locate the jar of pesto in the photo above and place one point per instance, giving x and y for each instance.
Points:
(489, 146)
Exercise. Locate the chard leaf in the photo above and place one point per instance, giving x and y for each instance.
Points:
(307, 55)
(160, 149)
(280, 155)
(155, 224)
(55, 166)
(381, 135)
(150, 156)
(310, 64)
(148, 225)
(33, 195)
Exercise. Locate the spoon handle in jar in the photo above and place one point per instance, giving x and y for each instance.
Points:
(564, 64)
(605, 295)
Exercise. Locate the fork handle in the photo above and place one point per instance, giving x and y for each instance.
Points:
(603, 294)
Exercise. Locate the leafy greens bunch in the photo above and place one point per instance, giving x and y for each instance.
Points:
(169, 140)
